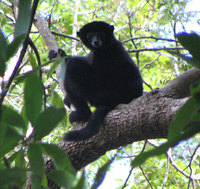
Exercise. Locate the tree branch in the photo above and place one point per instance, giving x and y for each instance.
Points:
(150, 37)
(156, 49)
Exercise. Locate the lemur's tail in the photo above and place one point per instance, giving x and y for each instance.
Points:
(92, 126)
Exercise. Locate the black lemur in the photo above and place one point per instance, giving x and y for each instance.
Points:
(104, 78)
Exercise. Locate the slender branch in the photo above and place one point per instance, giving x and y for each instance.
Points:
(150, 37)
(64, 35)
(149, 63)
(156, 49)
(145, 176)
(130, 172)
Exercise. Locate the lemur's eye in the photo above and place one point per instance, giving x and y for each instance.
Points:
(89, 36)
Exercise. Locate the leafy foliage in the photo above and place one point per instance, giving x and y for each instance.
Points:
(32, 114)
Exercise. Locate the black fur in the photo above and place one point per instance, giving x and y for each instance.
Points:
(105, 78)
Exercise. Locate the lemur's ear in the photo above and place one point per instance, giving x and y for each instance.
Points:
(79, 33)
(112, 28)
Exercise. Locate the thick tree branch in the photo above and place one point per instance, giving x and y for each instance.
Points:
(147, 117)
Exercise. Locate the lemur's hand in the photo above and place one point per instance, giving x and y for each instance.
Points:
(53, 54)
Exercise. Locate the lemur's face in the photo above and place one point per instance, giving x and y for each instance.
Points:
(96, 35)
(95, 39)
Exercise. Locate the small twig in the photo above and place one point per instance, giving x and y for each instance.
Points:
(145, 176)
(64, 35)
(127, 178)
(134, 167)
(150, 87)
(190, 167)
(133, 42)
(149, 63)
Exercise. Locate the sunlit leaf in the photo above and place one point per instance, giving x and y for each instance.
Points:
(56, 101)
(80, 182)
(32, 61)
(52, 69)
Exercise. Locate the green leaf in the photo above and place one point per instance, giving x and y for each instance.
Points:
(47, 121)
(12, 176)
(33, 97)
(62, 178)
(196, 117)
(3, 129)
(12, 117)
(3, 41)
(79, 182)
(140, 159)
(32, 61)
(36, 164)
(52, 69)
(18, 159)
(191, 131)
(3, 46)
(101, 174)
(183, 117)
(2, 64)
(24, 18)
(56, 101)
(59, 157)
(44, 182)
(11, 140)
(14, 45)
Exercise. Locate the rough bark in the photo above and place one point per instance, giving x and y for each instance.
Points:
(147, 117)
